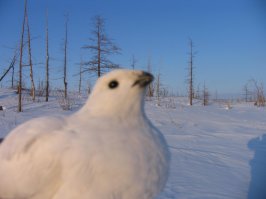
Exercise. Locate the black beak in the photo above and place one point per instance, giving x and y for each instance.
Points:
(143, 80)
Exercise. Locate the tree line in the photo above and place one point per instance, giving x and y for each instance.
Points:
(101, 47)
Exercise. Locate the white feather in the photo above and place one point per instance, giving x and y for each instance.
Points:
(108, 149)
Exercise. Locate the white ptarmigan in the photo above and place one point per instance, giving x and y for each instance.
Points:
(106, 150)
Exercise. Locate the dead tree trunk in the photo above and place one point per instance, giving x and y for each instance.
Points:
(99, 51)
(47, 63)
(9, 68)
(12, 78)
(205, 95)
(246, 92)
(80, 75)
(158, 89)
(134, 61)
(20, 62)
(190, 73)
(29, 56)
(65, 58)
(150, 86)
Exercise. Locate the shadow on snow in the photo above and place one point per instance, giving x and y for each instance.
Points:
(257, 186)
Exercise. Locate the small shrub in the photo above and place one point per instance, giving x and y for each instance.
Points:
(170, 103)
(65, 103)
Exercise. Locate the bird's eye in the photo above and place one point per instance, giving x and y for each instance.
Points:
(113, 84)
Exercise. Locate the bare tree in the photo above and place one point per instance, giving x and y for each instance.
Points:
(247, 92)
(12, 77)
(65, 58)
(205, 96)
(80, 75)
(101, 47)
(150, 90)
(47, 61)
(197, 93)
(259, 90)
(191, 72)
(40, 88)
(89, 87)
(20, 60)
(29, 56)
(133, 62)
(158, 89)
(11, 66)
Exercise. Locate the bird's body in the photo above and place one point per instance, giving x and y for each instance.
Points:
(105, 150)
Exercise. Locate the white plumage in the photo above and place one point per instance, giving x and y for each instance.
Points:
(107, 150)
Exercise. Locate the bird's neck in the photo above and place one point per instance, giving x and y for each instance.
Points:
(116, 111)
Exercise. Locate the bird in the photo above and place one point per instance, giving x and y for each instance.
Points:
(108, 149)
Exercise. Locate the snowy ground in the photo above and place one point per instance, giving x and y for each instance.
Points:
(216, 153)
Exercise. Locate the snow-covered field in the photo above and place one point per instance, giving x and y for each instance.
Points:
(216, 152)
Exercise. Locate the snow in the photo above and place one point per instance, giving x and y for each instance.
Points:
(216, 153)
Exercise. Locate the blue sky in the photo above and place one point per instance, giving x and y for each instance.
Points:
(229, 37)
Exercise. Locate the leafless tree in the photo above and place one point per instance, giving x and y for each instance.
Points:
(158, 89)
(259, 90)
(197, 93)
(40, 89)
(80, 74)
(150, 90)
(65, 57)
(205, 96)
(101, 47)
(20, 60)
(133, 62)
(247, 93)
(12, 77)
(191, 72)
(47, 61)
(11, 66)
(89, 87)
(29, 56)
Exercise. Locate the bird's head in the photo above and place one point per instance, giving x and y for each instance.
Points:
(119, 92)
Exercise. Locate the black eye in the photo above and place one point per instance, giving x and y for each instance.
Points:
(113, 84)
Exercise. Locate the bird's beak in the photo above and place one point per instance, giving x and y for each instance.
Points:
(143, 79)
